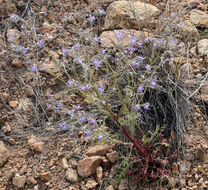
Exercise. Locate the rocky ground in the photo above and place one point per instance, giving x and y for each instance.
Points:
(34, 154)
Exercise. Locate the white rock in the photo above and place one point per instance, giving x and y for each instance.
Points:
(203, 47)
(199, 18)
(71, 175)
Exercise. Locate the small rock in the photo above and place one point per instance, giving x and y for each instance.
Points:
(199, 18)
(182, 182)
(113, 156)
(13, 103)
(87, 166)
(35, 144)
(71, 175)
(110, 187)
(123, 184)
(31, 180)
(17, 63)
(174, 168)
(196, 176)
(99, 150)
(201, 180)
(185, 167)
(4, 153)
(189, 157)
(64, 163)
(91, 184)
(132, 15)
(203, 47)
(201, 155)
(99, 174)
(45, 176)
(19, 181)
(12, 141)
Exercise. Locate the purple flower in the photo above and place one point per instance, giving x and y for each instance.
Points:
(92, 18)
(84, 88)
(64, 51)
(139, 44)
(148, 67)
(59, 26)
(137, 107)
(82, 119)
(78, 107)
(96, 63)
(69, 82)
(133, 40)
(45, 13)
(34, 68)
(14, 17)
(103, 51)
(181, 45)
(102, 11)
(119, 34)
(95, 38)
(48, 106)
(153, 83)
(146, 106)
(101, 89)
(173, 14)
(71, 112)
(92, 121)
(40, 43)
(88, 134)
(180, 26)
(64, 126)
(140, 89)
(147, 39)
(131, 49)
(99, 137)
(76, 46)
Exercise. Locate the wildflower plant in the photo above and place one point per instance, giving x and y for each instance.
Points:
(131, 89)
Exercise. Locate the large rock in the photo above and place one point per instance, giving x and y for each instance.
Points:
(188, 31)
(203, 47)
(110, 39)
(87, 166)
(199, 18)
(128, 14)
(99, 150)
(4, 153)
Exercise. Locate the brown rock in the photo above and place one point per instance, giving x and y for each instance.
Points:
(64, 163)
(98, 150)
(188, 31)
(174, 168)
(123, 185)
(12, 141)
(91, 184)
(128, 14)
(109, 39)
(19, 181)
(203, 47)
(35, 144)
(189, 157)
(13, 103)
(185, 167)
(45, 176)
(71, 175)
(110, 187)
(112, 156)
(201, 154)
(99, 174)
(31, 180)
(199, 18)
(182, 182)
(4, 153)
(87, 166)
(17, 63)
